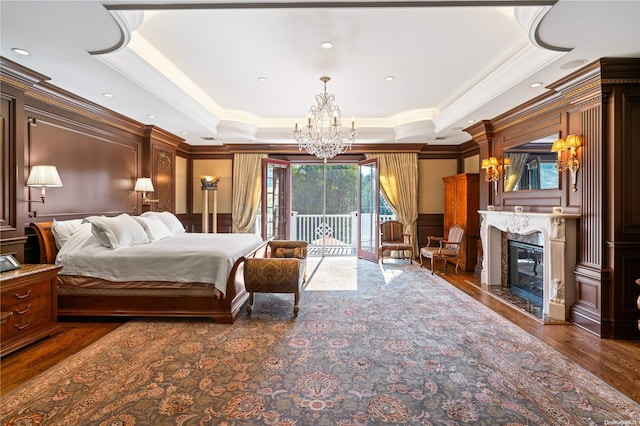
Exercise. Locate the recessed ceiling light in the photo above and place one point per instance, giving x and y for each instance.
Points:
(573, 64)
(21, 51)
(471, 121)
(151, 116)
(184, 133)
(262, 79)
(536, 84)
(389, 77)
(107, 95)
(326, 45)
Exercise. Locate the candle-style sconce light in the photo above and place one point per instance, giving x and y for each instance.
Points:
(491, 167)
(571, 144)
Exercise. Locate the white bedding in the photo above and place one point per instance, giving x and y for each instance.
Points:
(206, 258)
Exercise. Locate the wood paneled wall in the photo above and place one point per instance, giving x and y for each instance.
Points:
(98, 154)
(97, 168)
(601, 102)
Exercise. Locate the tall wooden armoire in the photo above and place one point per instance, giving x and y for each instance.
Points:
(461, 204)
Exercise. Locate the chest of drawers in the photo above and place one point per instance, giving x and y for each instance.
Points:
(28, 306)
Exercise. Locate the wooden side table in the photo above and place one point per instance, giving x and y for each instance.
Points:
(28, 306)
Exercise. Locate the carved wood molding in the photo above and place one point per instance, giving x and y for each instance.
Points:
(163, 161)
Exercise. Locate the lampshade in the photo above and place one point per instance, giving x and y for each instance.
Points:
(44, 176)
(558, 145)
(485, 163)
(143, 185)
(493, 162)
(573, 141)
(506, 161)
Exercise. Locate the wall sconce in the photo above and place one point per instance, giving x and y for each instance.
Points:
(209, 184)
(43, 177)
(571, 143)
(145, 185)
(492, 174)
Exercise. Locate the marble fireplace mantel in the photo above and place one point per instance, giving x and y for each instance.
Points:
(559, 235)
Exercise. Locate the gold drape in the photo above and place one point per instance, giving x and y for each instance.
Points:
(514, 172)
(247, 190)
(399, 183)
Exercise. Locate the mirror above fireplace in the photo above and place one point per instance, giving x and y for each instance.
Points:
(532, 166)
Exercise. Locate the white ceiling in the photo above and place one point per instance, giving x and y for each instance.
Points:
(195, 66)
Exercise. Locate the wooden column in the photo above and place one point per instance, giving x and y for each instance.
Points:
(606, 99)
(482, 134)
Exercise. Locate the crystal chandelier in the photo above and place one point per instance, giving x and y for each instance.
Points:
(323, 135)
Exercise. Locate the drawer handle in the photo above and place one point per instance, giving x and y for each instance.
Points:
(23, 296)
(24, 311)
(22, 327)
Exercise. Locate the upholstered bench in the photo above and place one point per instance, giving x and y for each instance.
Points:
(283, 271)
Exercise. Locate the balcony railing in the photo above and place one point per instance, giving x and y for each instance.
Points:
(338, 234)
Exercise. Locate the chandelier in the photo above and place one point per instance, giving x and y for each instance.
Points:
(323, 135)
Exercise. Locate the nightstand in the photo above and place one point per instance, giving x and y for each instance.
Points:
(28, 306)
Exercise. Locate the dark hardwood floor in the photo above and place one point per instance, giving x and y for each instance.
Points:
(617, 362)
(23, 365)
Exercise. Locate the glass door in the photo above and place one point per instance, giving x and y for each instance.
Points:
(368, 201)
(276, 200)
(324, 204)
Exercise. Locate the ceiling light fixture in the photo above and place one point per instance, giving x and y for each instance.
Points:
(323, 135)
(536, 84)
(21, 51)
(573, 64)
(151, 116)
(262, 79)
(471, 121)
(326, 45)
(107, 95)
(389, 78)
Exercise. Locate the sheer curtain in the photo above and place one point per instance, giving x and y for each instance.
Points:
(247, 190)
(514, 171)
(399, 183)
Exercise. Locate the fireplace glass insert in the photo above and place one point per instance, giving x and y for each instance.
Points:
(526, 270)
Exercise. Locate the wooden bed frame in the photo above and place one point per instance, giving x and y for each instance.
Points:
(222, 311)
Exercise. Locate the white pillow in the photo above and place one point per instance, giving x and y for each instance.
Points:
(117, 232)
(63, 229)
(169, 219)
(154, 227)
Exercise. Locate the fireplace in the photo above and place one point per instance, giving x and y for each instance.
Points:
(556, 262)
(525, 270)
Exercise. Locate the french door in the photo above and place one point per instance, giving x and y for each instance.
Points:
(276, 199)
(368, 210)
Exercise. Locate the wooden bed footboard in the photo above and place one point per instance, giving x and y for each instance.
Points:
(222, 311)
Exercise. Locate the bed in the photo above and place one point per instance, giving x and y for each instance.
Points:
(99, 280)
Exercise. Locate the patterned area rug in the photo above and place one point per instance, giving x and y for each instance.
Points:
(404, 348)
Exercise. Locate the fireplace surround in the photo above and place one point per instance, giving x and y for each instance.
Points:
(559, 251)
